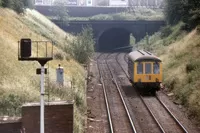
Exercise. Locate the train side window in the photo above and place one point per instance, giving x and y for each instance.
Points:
(156, 68)
(148, 68)
(140, 68)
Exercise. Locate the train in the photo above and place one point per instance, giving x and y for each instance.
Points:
(145, 71)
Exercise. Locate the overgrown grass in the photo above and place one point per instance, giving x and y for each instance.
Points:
(18, 82)
(136, 14)
(180, 54)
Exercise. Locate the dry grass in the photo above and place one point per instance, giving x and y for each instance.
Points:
(180, 54)
(181, 70)
(18, 82)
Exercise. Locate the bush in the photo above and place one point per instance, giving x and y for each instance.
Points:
(101, 17)
(166, 31)
(170, 83)
(60, 11)
(7, 3)
(59, 56)
(193, 65)
(17, 5)
(82, 47)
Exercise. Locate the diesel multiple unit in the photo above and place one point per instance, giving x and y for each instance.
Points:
(145, 70)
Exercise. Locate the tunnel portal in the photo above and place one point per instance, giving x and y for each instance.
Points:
(113, 39)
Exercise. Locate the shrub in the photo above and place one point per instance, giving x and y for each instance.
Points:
(60, 11)
(18, 6)
(101, 17)
(82, 47)
(7, 3)
(193, 65)
(166, 31)
(170, 83)
(59, 56)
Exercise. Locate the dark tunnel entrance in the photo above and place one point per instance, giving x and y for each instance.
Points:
(112, 39)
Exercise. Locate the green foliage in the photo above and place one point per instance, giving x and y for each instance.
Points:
(60, 11)
(7, 3)
(166, 36)
(172, 33)
(101, 17)
(132, 40)
(17, 5)
(193, 65)
(11, 102)
(174, 11)
(166, 31)
(171, 82)
(82, 47)
(136, 14)
(183, 10)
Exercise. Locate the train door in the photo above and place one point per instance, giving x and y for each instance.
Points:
(130, 69)
(157, 71)
(148, 72)
(139, 71)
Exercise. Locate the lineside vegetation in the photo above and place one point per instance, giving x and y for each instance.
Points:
(18, 82)
(179, 50)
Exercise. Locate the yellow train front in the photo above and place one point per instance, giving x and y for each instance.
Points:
(145, 70)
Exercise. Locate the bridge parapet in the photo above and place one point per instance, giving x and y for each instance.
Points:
(114, 32)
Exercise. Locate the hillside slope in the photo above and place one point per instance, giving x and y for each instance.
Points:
(180, 53)
(18, 80)
(182, 71)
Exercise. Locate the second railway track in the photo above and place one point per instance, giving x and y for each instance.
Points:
(119, 118)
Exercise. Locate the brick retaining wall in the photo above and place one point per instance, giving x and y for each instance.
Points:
(58, 119)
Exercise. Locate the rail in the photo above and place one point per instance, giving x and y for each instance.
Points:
(105, 97)
(125, 106)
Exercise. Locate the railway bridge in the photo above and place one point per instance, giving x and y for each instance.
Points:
(108, 34)
(112, 34)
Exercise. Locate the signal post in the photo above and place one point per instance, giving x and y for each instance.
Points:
(43, 52)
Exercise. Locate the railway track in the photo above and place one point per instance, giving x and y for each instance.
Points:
(117, 110)
(166, 121)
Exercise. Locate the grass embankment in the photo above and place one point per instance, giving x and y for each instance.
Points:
(18, 80)
(180, 52)
(136, 14)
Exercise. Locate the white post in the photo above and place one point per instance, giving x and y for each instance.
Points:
(42, 101)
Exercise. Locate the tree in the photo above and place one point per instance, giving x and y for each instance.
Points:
(183, 10)
(18, 6)
(7, 3)
(60, 10)
(174, 11)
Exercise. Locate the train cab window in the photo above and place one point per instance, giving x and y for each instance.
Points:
(140, 68)
(148, 68)
(156, 68)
